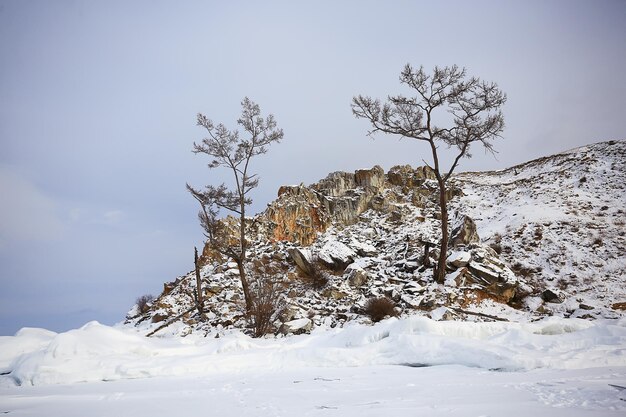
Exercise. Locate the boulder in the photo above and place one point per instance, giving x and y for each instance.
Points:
(494, 281)
(484, 272)
(347, 208)
(459, 259)
(363, 249)
(425, 173)
(379, 203)
(550, 296)
(464, 232)
(303, 259)
(297, 326)
(401, 175)
(336, 255)
(459, 278)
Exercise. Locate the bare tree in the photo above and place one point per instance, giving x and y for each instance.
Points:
(473, 115)
(228, 150)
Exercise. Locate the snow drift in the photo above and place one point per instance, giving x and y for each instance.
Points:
(96, 352)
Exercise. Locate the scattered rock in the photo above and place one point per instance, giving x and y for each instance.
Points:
(550, 296)
(619, 306)
(356, 275)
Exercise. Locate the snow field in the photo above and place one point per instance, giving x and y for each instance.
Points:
(367, 391)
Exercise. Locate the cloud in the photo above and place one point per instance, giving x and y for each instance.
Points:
(26, 213)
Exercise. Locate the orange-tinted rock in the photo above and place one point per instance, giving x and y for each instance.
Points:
(297, 216)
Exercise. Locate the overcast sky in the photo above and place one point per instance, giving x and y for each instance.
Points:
(98, 101)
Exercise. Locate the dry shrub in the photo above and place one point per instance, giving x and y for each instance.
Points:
(267, 298)
(379, 308)
(522, 270)
(144, 302)
(496, 247)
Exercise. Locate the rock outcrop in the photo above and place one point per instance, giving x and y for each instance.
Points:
(296, 216)
(353, 237)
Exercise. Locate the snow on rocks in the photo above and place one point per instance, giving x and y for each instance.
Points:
(336, 255)
(557, 221)
(459, 258)
(297, 326)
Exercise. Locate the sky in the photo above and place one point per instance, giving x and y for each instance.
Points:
(98, 101)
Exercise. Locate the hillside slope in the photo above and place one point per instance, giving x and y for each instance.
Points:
(560, 221)
(543, 238)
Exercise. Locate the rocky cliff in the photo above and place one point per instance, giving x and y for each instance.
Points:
(546, 237)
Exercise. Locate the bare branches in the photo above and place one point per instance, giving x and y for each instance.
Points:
(473, 104)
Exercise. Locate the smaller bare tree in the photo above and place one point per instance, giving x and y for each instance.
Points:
(227, 149)
(199, 298)
(473, 108)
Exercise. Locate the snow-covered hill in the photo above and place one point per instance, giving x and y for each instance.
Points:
(549, 239)
(560, 222)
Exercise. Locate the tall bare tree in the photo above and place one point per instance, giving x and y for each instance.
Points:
(469, 107)
(234, 152)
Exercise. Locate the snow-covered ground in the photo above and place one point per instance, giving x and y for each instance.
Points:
(413, 366)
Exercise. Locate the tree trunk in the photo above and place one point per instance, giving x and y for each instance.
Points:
(242, 258)
(199, 298)
(441, 264)
(245, 286)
